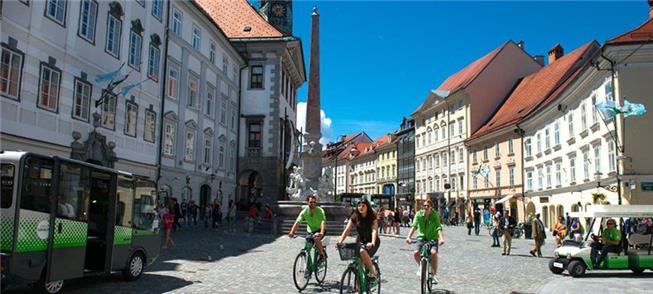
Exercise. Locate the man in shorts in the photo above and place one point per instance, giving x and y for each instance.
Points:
(428, 227)
(315, 220)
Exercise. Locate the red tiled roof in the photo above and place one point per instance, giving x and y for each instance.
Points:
(641, 34)
(465, 76)
(234, 15)
(385, 139)
(538, 89)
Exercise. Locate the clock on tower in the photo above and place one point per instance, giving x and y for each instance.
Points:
(279, 14)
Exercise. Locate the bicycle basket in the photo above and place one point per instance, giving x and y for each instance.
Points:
(349, 251)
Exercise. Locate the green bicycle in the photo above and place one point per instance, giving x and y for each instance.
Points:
(426, 277)
(355, 279)
(306, 264)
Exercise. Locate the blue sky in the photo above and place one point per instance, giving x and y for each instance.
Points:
(380, 59)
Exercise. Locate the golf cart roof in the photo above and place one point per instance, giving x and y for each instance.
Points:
(615, 211)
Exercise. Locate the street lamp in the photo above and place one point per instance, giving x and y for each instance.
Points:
(611, 188)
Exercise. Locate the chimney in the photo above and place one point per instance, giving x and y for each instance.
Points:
(555, 53)
(650, 9)
(539, 59)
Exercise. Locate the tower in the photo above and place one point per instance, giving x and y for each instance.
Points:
(278, 13)
(312, 158)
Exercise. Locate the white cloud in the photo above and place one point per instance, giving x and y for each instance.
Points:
(325, 123)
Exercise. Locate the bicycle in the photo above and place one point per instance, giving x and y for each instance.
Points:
(426, 276)
(306, 263)
(358, 271)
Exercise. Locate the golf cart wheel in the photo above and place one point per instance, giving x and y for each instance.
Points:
(135, 267)
(555, 270)
(576, 268)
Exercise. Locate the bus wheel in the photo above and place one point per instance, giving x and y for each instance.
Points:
(52, 287)
(135, 267)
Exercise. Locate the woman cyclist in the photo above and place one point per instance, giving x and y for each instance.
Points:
(366, 224)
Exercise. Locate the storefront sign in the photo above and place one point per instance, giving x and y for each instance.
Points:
(648, 186)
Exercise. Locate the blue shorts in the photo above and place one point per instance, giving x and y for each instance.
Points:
(417, 245)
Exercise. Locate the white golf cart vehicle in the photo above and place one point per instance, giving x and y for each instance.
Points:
(635, 255)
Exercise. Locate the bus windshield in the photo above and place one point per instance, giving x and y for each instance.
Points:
(7, 177)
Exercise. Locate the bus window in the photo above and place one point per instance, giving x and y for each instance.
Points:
(72, 199)
(144, 205)
(37, 182)
(125, 202)
(7, 177)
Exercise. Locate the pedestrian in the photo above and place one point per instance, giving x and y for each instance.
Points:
(477, 220)
(184, 210)
(560, 231)
(397, 220)
(486, 217)
(576, 230)
(168, 221)
(207, 216)
(216, 216)
(267, 212)
(231, 215)
(446, 216)
(406, 217)
(538, 234)
(193, 212)
(176, 210)
(496, 219)
(507, 223)
(381, 219)
(251, 217)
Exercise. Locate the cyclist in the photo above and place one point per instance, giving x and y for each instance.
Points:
(428, 227)
(315, 222)
(366, 223)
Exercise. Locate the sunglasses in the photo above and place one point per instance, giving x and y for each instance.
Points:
(312, 202)
(427, 206)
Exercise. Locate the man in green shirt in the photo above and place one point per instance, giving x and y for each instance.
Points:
(315, 222)
(608, 242)
(428, 227)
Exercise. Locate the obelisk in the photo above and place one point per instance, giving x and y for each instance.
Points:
(312, 157)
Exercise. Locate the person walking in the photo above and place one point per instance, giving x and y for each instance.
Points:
(176, 210)
(538, 234)
(496, 220)
(507, 224)
(397, 220)
(477, 220)
(231, 216)
(168, 221)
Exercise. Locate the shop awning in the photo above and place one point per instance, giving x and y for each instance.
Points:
(504, 199)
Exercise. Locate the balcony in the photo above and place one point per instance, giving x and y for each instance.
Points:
(253, 152)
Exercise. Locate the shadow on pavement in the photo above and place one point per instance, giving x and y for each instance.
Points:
(615, 274)
(441, 291)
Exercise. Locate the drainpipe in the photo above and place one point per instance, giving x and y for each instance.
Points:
(520, 132)
(240, 103)
(616, 132)
(159, 150)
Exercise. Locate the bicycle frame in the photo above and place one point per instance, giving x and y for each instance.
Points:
(308, 246)
(361, 273)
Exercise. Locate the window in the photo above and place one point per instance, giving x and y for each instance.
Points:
(540, 179)
(254, 135)
(210, 92)
(150, 125)
(611, 157)
(451, 129)
(539, 143)
(225, 64)
(87, 20)
(570, 122)
(548, 176)
(460, 127)
(221, 157)
(81, 100)
(114, 31)
(49, 88)
(572, 169)
(131, 118)
(485, 153)
(444, 131)
(461, 155)
(547, 139)
(135, 46)
(223, 112)
(153, 63)
(593, 110)
(144, 203)
(475, 181)
(529, 181)
(486, 182)
(197, 37)
(176, 21)
(586, 164)
(10, 73)
(558, 174)
(435, 134)
(444, 159)
(56, 11)
(233, 117)
(511, 176)
(109, 102)
(511, 146)
(157, 9)
(208, 149)
(173, 78)
(430, 137)
(556, 133)
(190, 143)
(528, 147)
(597, 158)
(36, 184)
(256, 78)
(7, 180)
(71, 198)
(608, 91)
(497, 177)
(437, 161)
(583, 116)
(212, 53)
(474, 156)
(169, 140)
(497, 150)
(453, 183)
(193, 82)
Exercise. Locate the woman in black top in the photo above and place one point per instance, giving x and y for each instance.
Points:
(366, 224)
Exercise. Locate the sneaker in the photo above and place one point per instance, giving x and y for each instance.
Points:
(532, 253)
(419, 273)
(435, 279)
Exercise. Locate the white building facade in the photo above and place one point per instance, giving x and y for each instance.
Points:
(52, 52)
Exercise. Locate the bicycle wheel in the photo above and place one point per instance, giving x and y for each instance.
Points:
(424, 268)
(320, 274)
(349, 281)
(378, 279)
(300, 274)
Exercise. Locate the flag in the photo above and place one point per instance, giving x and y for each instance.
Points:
(607, 109)
(630, 109)
(108, 75)
(124, 90)
(113, 84)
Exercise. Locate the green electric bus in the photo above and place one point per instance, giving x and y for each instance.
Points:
(63, 219)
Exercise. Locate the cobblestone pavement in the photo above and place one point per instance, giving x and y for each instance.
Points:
(204, 261)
